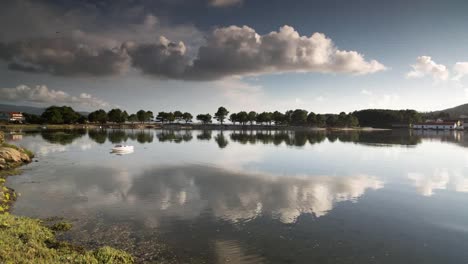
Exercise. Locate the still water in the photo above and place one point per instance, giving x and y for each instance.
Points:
(255, 197)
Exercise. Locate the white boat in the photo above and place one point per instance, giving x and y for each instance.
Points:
(122, 148)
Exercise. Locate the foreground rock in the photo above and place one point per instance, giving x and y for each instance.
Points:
(11, 157)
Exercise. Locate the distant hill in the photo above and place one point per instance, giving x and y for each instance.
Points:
(455, 112)
(27, 109)
(21, 108)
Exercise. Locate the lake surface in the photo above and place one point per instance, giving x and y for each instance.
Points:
(255, 197)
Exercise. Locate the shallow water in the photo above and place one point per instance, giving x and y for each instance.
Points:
(255, 197)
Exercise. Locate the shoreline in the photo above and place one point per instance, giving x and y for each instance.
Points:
(25, 239)
(180, 126)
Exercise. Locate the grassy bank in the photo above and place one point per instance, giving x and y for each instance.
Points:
(27, 240)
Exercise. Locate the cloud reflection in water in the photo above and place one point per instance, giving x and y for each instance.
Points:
(189, 191)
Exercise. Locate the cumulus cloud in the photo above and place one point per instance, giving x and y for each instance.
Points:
(164, 59)
(42, 95)
(225, 3)
(460, 69)
(425, 66)
(63, 56)
(229, 51)
(241, 51)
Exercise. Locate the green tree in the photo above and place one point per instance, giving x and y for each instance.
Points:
(162, 117)
(252, 117)
(268, 117)
(233, 118)
(171, 117)
(242, 117)
(278, 117)
(69, 115)
(187, 117)
(288, 117)
(312, 119)
(98, 116)
(351, 121)
(133, 118)
(299, 117)
(124, 117)
(166, 117)
(115, 115)
(82, 120)
(205, 119)
(385, 118)
(265, 117)
(141, 116)
(221, 114)
(342, 118)
(60, 115)
(149, 116)
(52, 115)
(331, 120)
(178, 116)
(32, 119)
(320, 120)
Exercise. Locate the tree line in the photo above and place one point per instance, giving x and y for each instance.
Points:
(298, 117)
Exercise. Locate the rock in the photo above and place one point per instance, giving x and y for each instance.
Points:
(2, 161)
(11, 155)
(2, 137)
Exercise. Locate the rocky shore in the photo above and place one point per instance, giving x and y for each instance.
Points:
(12, 156)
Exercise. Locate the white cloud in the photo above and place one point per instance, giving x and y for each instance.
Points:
(228, 52)
(42, 95)
(225, 3)
(425, 66)
(460, 69)
(241, 51)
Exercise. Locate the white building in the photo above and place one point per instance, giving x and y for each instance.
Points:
(439, 125)
(16, 117)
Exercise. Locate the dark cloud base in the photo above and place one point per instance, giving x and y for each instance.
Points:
(229, 51)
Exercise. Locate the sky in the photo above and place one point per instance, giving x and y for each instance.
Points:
(324, 56)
